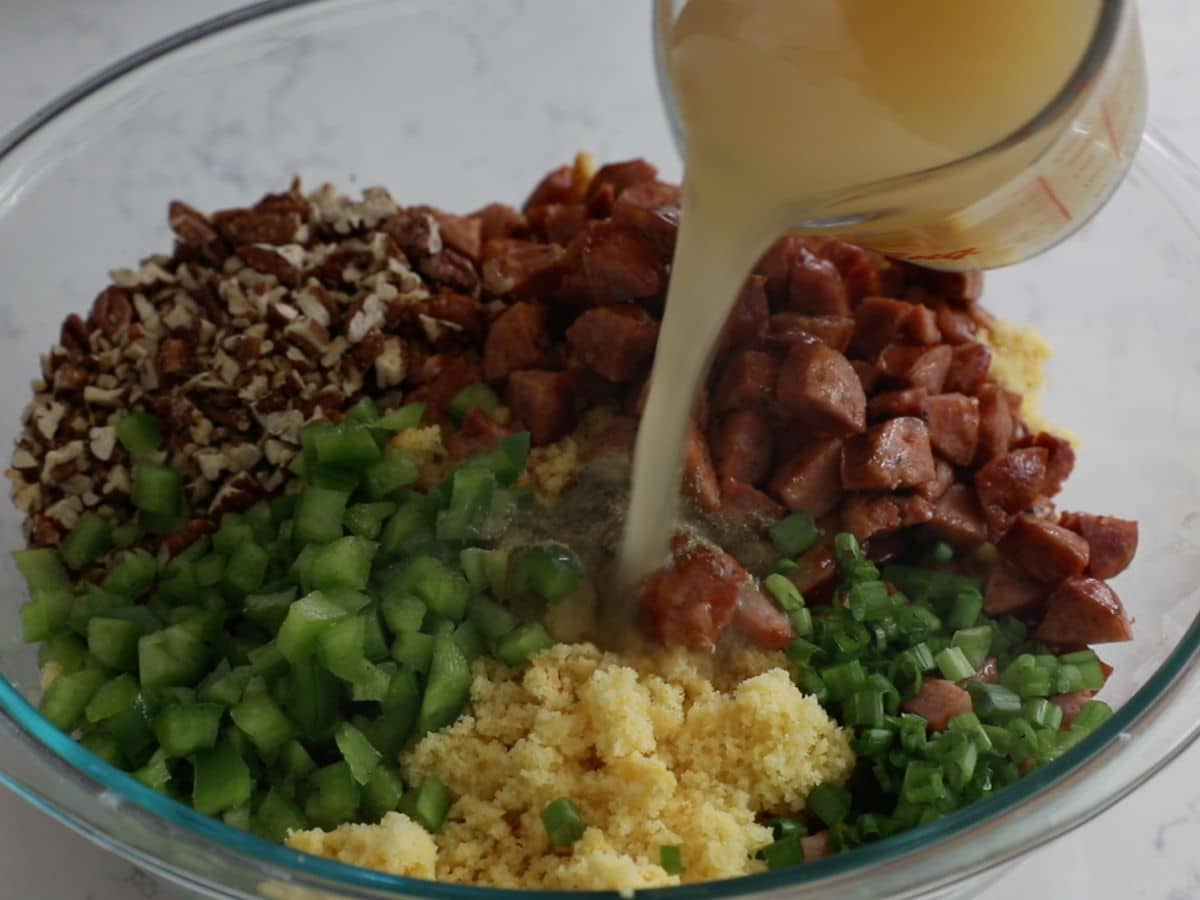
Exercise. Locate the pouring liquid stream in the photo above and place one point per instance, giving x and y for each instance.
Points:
(787, 110)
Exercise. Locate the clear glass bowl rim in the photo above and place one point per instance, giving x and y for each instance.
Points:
(74, 763)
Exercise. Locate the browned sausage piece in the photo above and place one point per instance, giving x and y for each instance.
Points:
(617, 341)
(619, 265)
(958, 286)
(819, 386)
(1007, 485)
(943, 478)
(953, 422)
(545, 402)
(1009, 590)
(515, 340)
(1084, 611)
(858, 270)
(512, 267)
(921, 326)
(759, 619)
(741, 446)
(747, 320)
(816, 568)
(558, 223)
(958, 519)
(785, 329)
(1112, 542)
(1044, 550)
(815, 286)
(557, 187)
(938, 702)
(815, 846)
(477, 433)
(746, 504)
(889, 405)
(996, 423)
(868, 515)
(461, 233)
(1071, 704)
(692, 600)
(699, 476)
(747, 382)
(1060, 461)
(652, 209)
(968, 368)
(775, 266)
(621, 175)
(916, 366)
(867, 374)
(811, 479)
(956, 326)
(878, 322)
(895, 454)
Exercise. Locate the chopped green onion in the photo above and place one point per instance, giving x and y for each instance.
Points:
(830, 803)
(563, 822)
(953, 664)
(427, 805)
(139, 433)
(88, 540)
(786, 594)
(795, 534)
(670, 857)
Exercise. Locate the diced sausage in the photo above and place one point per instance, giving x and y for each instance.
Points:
(815, 846)
(743, 503)
(996, 423)
(1010, 591)
(943, 478)
(557, 187)
(515, 341)
(956, 326)
(1007, 485)
(747, 320)
(477, 433)
(867, 374)
(741, 446)
(892, 404)
(775, 266)
(1084, 611)
(811, 478)
(895, 454)
(880, 321)
(785, 329)
(558, 223)
(1060, 460)
(453, 374)
(498, 220)
(968, 368)
(465, 314)
(619, 265)
(694, 598)
(815, 286)
(617, 439)
(545, 402)
(461, 233)
(954, 285)
(513, 266)
(652, 209)
(868, 515)
(1046, 551)
(747, 382)
(699, 476)
(815, 569)
(958, 519)
(856, 267)
(937, 702)
(621, 175)
(759, 619)
(1071, 704)
(1112, 542)
(916, 366)
(953, 423)
(819, 386)
(617, 341)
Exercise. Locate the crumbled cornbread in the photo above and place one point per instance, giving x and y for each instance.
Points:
(397, 845)
(1019, 357)
(425, 447)
(647, 746)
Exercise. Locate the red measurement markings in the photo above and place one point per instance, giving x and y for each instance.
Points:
(1049, 192)
(1111, 128)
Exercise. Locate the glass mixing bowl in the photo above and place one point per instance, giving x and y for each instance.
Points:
(459, 102)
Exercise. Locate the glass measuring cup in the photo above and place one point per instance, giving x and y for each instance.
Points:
(1004, 202)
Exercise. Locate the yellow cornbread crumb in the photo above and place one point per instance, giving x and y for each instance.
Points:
(650, 750)
(425, 447)
(1019, 357)
(551, 469)
(396, 845)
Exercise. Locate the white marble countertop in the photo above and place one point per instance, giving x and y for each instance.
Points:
(1143, 848)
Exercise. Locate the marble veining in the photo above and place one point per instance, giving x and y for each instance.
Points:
(1145, 847)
